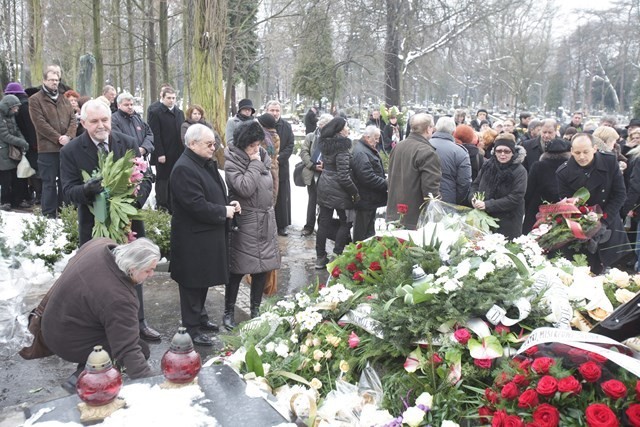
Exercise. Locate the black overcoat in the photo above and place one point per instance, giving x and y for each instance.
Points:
(165, 125)
(199, 236)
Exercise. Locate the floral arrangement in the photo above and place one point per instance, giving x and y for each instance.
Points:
(569, 220)
(113, 209)
(556, 384)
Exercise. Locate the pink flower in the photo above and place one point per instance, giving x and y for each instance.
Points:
(136, 177)
(131, 236)
(501, 329)
(354, 340)
(411, 364)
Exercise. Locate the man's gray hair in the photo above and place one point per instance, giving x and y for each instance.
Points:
(549, 122)
(137, 255)
(446, 124)
(534, 124)
(272, 102)
(421, 122)
(93, 104)
(197, 132)
(124, 96)
(324, 119)
(370, 130)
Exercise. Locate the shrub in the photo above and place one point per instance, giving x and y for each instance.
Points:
(157, 226)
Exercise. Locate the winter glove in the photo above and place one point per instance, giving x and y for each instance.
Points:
(92, 187)
(355, 198)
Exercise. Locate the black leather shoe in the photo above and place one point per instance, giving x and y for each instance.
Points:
(147, 333)
(202, 339)
(209, 327)
(307, 232)
(282, 232)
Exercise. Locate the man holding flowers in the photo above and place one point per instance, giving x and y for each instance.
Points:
(81, 154)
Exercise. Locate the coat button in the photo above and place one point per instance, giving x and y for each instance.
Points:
(603, 190)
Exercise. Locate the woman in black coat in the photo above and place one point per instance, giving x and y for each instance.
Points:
(199, 229)
(503, 180)
(392, 134)
(542, 185)
(336, 189)
(600, 174)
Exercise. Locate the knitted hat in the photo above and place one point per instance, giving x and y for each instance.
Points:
(508, 140)
(267, 121)
(246, 103)
(558, 146)
(332, 128)
(465, 134)
(14, 88)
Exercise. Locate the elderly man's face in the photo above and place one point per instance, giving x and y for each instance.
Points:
(126, 106)
(372, 140)
(205, 147)
(548, 133)
(507, 126)
(98, 123)
(274, 110)
(110, 95)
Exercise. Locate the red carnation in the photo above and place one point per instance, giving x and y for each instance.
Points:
(483, 411)
(375, 266)
(547, 386)
(358, 276)
(352, 267)
(600, 415)
(531, 350)
(510, 391)
(499, 417)
(546, 415)
(482, 363)
(491, 395)
(569, 385)
(462, 335)
(402, 208)
(528, 399)
(614, 389)
(542, 364)
(336, 272)
(633, 414)
(590, 371)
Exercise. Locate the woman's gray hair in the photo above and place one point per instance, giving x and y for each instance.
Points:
(197, 132)
(324, 119)
(137, 255)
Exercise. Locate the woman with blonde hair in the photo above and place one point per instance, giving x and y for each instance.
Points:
(606, 139)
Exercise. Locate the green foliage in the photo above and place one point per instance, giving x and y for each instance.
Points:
(242, 42)
(69, 218)
(554, 94)
(35, 231)
(157, 226)
(41, 233)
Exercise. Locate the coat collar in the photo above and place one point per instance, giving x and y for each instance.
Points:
(115, 145)
(598, 175)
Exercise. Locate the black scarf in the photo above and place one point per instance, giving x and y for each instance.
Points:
(243, 118)
(499, 176)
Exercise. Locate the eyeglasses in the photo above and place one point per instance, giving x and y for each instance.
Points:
(209, 144)
(53, 80)
(503, 152)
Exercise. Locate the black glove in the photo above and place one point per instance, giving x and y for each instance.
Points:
(92, 187)
(355, 198)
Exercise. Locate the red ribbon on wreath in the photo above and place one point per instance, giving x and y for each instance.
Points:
(566, 208)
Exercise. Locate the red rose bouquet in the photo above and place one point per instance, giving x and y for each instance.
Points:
(569, 220)
(556, 384)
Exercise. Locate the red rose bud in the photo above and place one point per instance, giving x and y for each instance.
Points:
(590, 371)
(525, 365)
(336, 272)
(322, 285)
(402, 208)
(436, 359)
(462, 335)
(501, 329)
(354, 340)
(482, 363)
(546, 415)
(528, 399)
(510, 391)
(375, 266)
(359, 256)
(583, 209)
(386, 254)
(499, 418)
(352, 267)
(484, 412)
(358, 276)
(359, 246)
(633, 414)
(491, 395)
(547, 386)
(569, 385)
(614, 389)
(520, 380)
(502, 379)
(599, 414)
(604, 215)
(542, 364)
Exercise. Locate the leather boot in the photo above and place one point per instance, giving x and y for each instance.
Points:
(227, 319)
(258, 282)
(230, 295)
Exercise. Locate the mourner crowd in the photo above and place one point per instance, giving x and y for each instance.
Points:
(223, 229)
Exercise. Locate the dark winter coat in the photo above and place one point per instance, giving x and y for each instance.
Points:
(95, 303)
(535, 149)
(633, 188)
(504, 187)
(81, 154)
(310, 121)
(254, 245)
(456, 168)
(51, 120)
(135, 127)
(476, 157)
(165, 125)
(336, 189)
(414, 174)
(9, 133)
(369, 176)
(199, 237)
(283, 204)
(606, 187)
(542, 186)
(28, 131)
(387, 136)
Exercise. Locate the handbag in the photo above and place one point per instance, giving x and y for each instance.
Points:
(24, 168)
(298, 180)
(15, 153)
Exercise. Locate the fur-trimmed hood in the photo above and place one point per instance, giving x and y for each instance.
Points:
(332, 146)
(555, 156)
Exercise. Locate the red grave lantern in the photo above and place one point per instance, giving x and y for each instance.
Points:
(100, 382)
(181, 363)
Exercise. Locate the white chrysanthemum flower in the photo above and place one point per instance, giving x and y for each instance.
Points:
(442, 270)
(286, 305)
(270, 347)
(452, 285)
(308, 319)
(335, 294)
(483, 269)
(462, 269)
(282, 349)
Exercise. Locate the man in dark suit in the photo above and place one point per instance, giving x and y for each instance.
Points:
(81, 154)
(537, 146)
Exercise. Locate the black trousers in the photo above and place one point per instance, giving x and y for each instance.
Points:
(163, 194)
(311, 206)
(364, 225)
(9, 193)
(324, 225)
(192, 308)
(258, 280)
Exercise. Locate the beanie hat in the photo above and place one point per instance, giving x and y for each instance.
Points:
(267, 121)
(332, 128)
(503, 139)
(482, 110)
(246, 103)
(14, 88)
(247, 133)
(558, 146)
(465, 134)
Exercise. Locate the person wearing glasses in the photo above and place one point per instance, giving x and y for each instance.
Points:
(55, 124)
(200, 224)
(503, 183)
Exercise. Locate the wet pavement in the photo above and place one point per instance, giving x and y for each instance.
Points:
(26, 382)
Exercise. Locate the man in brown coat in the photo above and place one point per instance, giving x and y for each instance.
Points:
(414, 171)
(55, 124)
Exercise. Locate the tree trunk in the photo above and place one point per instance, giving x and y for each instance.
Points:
(34, 68)
(151, 54)
(131, 48)
(164, 39)
(229, 76)
(392, 63)
(205, 84)
(97, 46)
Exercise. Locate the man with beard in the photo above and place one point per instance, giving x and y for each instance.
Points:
(283, 203)
(245, 113)
(535, 147)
